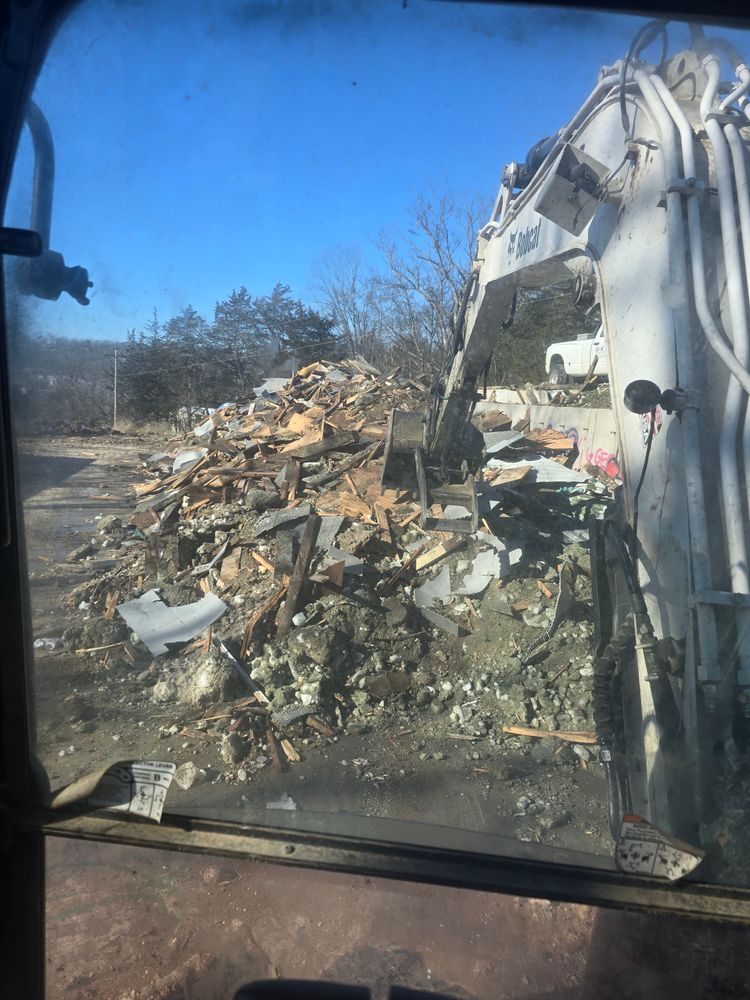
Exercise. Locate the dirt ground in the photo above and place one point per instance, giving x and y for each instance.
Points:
(126, 924)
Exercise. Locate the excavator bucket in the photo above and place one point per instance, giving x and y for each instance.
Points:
(445, 506)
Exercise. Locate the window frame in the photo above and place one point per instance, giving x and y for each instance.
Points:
(441, 856)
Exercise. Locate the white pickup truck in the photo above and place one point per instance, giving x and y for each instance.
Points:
(572, 359)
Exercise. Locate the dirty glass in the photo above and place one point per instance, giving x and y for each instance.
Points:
(380, 404)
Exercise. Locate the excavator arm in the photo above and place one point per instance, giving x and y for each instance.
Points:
(643, 199)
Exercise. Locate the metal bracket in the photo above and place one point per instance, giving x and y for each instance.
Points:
(686, 186)
(724, 598)
(727, 118)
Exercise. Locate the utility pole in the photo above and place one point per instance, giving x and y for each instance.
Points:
(114, 397)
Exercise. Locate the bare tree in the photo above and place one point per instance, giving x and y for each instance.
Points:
(350, 295)
(429, 269)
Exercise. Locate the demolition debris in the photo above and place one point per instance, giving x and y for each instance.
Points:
(270, 595)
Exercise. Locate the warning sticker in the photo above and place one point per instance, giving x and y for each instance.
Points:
(642, 849)
(132, 786)
(138, 786)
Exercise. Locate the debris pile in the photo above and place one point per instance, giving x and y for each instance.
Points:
(267, 593)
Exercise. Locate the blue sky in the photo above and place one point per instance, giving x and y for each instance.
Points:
(202, 146)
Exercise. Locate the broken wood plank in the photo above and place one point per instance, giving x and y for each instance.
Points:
(404, 566)
(319, 726)
(544, 589)
(569, 736)
(299, 575)
(230, 566)
(284, 561)
(386, 531)
(352, 485)
(258, 615)
(279, 763)
(440, 552)
(262, 562)
(113, 599)
(506, 477)
(313, 449)
(335, 573)
(98, 649)
(289, 751)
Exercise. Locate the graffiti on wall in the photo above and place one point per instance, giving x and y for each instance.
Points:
(601, 458)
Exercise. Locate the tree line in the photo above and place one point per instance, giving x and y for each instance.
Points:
(396, 311)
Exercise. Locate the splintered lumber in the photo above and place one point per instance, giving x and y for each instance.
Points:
(404, 566)
(291, 478)
(313, 449)
(289, 751)
(262, 562)
(279, 763)
(544, 589)
(360, 457)
(113, 599)
(507, 477)
(381, 516)
(230, 566)
(550, 439)
(98, 649)
(353, 506)
(440, 552)
(562, 734)
(319, 726)
(258, 615)
(335, 573)
(299, 575)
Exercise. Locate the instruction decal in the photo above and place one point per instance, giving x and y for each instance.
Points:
(642, 849)
(134, 786)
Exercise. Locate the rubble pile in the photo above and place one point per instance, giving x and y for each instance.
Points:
(267, 594)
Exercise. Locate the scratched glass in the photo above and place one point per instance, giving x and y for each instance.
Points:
(358, 490)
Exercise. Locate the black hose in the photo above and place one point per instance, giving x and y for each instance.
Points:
(625, 559)
(643, 37)
(634, 539)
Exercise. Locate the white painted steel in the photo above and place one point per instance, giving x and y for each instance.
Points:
(708, 666)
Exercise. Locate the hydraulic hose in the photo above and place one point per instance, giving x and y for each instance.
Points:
(740, 90)
(741, 335)
(710, 328)
(653, 88)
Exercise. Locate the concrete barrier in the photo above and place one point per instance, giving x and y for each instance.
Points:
(593, 430)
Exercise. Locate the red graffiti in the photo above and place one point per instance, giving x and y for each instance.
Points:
(604, 460)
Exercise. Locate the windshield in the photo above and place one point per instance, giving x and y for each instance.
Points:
(335, 504)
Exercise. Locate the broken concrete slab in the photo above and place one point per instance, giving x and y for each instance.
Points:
(200, 682)
(157, 625)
